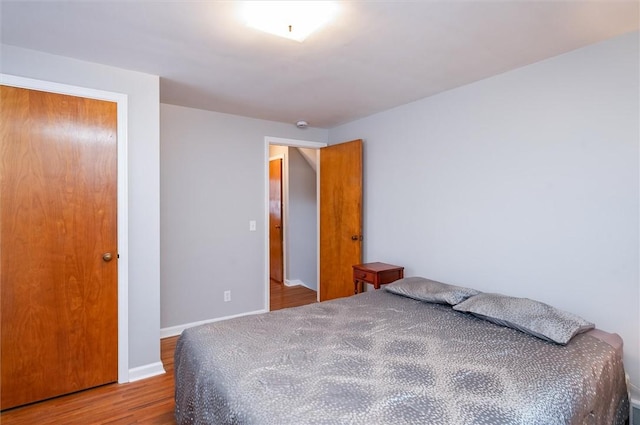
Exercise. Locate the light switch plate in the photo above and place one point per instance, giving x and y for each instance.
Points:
(252, 225)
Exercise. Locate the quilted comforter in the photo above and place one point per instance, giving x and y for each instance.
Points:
(380, 358)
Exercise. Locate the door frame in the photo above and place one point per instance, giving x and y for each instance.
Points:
(269, 140)
(122, 195)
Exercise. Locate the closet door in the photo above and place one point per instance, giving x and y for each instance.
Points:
(58, 243)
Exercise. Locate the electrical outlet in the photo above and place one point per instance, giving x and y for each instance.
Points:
(227, 296)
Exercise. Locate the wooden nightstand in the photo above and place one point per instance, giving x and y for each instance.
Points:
(376, 274)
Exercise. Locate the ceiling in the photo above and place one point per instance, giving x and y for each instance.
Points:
(375, 56)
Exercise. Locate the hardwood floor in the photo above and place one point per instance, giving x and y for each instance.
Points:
(290, 296)
(149, 401)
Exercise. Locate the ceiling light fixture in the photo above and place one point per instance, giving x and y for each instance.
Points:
(294, 20)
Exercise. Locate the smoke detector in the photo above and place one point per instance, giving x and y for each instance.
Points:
(302, 124)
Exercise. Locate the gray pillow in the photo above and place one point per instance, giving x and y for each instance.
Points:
(528, 316)
(431, 291)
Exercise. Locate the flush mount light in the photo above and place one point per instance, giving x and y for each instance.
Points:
(294, 20)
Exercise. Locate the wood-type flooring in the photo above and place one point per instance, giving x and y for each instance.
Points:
(149, 401)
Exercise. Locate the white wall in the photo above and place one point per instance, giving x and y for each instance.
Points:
(526, 183)
(303, 221)
(212, 184)
(143, 155)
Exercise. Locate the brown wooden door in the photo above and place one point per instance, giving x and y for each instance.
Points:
(340, 217)
(275, 221)
(58, 217)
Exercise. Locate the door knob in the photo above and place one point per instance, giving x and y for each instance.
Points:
(277, 226)
(107, 257)
(354, 237)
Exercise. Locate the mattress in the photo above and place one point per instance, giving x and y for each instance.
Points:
(380, 358)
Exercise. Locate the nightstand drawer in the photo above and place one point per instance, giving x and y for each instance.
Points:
(376, 274)
(365, 276)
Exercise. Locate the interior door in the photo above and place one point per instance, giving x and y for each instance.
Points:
(58, 245)
(276, 253)
(340, 217)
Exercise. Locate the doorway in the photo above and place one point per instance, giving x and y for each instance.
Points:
(122, 199)
(59, 281)
(299, 228)
(292, 226)
(338, 211)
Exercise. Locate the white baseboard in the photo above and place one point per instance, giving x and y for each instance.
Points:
(146, 371)
(293, 282)
(177, 330)
(297, 282)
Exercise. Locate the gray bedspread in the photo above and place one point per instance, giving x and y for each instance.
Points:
(380, 358)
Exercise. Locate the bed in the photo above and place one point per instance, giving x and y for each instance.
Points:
(383, 358)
